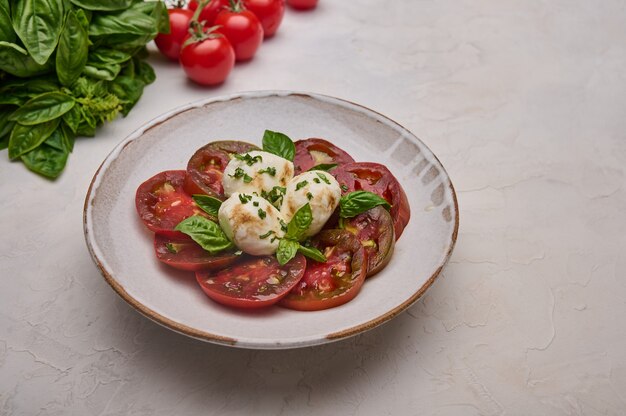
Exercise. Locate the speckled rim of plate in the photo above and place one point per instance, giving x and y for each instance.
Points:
(228, 341)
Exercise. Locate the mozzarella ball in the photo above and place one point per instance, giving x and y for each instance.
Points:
(256, 171)
(251, 223)
(317, 188)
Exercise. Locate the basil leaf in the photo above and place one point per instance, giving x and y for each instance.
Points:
(145, 72)
(279, 144)
(312, 253)
(11, 100)
(108, 56)
(128, 89)
(84, 16)
(208, 204)
(106, 72)
(68, 138)
(100, 5)
(73, 118)
(4, 142)
(15, 60)
(6, 30)
(357, 202)
(287, 250)
(128, 22)
(72, 51)
(323, 166)
(42, 108)
(26, 138)
(6, 125)
(206, 233)
(300, 222)
(38, 25)
(48, 159)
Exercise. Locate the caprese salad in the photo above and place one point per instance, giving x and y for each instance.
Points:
(298, 224)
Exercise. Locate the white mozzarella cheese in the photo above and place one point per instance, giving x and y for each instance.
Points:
(256, 171)
(319, 189)
(251, 223)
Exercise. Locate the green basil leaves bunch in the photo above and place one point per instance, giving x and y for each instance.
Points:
(68, 66)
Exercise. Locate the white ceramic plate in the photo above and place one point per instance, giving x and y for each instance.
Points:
(122, 247)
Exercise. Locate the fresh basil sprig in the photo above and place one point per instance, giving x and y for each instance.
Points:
(279, 144)
(66, 67)
(357, 202)
(206, 233)
(208, 204)
(289, 245)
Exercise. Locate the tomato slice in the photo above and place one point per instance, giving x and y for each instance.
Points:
(330, 284)
(376, 178)
(162, 202)
(253, 282)
(185, 254)
(206, 166)
(313, 152)
(374, 229)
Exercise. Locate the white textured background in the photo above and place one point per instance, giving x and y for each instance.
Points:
(524, 102)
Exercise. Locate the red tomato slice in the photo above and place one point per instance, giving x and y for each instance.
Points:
(330, 284)
(162, 203)
(313, 152)
(206, 166)
(185, 254)
(253, 282)
(374, 229)
(376, 178)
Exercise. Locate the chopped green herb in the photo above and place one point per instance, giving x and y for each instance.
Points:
(249, 159)
(344, 187)
(262, 214)
(316, 180)
(171, 248)
(323, 178)
(255, 203)
(273, 239)
(275, 196)
(245, 198)
(267, 234)
(301, 185)
(270, 171)
(240, 173)
(309, 196)
(283, 225)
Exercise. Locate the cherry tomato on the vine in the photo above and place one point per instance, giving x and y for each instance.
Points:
(302, 4)
(169, 44)
(210, 11)
(269, 12)
(208, 61)
(242, 28)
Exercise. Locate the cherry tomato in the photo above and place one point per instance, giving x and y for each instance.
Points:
(169, 44)
(162, 203)
(243, 29)
(208, 61)
(302, 4)
(269, 12)
(374, 229)
(253, 282)
(205, 168)
(335, 282)
(209, 13)
(313, 152)
(376, 178)
(185, 254)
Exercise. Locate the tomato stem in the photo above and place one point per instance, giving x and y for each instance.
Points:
(236, 6)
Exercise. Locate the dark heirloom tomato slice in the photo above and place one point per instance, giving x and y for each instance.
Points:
(330, 284)
(374, 228)
(206, 166)
(253, 282)
(185, 254)
(313, 152)
(162, 203)
(376, 178)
